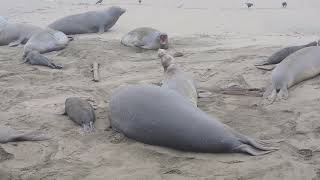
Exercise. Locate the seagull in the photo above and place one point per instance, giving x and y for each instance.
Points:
(99, 2)
(249, 4)
(181, 3)
(284, 4)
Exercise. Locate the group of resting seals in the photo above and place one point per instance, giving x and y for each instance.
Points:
(294, 64)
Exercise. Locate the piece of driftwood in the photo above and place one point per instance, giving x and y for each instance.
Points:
(95, 69)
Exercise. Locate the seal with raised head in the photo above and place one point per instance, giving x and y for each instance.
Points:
(88, 22)
(35, 58)
(146, 38)
(299, 66)
(159, 116)
(280, 55)
(15, 34)
(81, 112)
(176, 79)
(46, 41)
(8, 134)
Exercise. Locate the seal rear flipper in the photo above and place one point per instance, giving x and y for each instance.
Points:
(244, 148)
(283, 93)
(31, 136)
(88, 127)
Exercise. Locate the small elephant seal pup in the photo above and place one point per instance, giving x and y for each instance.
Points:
(299, 66)
(159, 116)
(35, 58)
(280, 55)
(8, 134)
(146, 38)
(89, 22)
(46, 41)
(81, 112)
(13, 34)
(176, 79)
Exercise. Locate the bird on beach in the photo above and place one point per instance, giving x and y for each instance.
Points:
(249, 4)
(284, 4)
(99, 2)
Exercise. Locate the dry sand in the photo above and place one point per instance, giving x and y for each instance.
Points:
(220, 40)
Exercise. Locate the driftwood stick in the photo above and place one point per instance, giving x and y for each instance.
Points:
(95, 69)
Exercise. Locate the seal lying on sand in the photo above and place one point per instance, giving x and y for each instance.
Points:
(159, 116)
(46, 41)
(297, 67)
(8, 134)
(283, 53)
(80, 112)
(146, 38)
(15, 34)
(35, 58)
(176, 79)
(89, 22)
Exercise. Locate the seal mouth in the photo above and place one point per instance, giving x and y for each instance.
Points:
(163, 41)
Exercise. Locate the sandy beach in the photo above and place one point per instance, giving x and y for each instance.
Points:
(220, 41)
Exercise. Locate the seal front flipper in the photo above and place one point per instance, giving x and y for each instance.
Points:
(15, 43)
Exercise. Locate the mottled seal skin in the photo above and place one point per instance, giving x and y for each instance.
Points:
(176, 79)
(81, 112)
(280, 55)
(159, 116)
(15, 34)
(8, 134)
(46, 41)
(146, 38)
(35, 58)
(89, 22)
(299, 66)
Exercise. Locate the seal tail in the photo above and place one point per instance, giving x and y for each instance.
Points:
(31, 136)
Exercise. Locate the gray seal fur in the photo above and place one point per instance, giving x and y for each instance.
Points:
(46, 41)
(159, 116)
(88, 22)
(145, 38)
(176, 79)
(280, 55)
(81, 112)
(8, 134)
(299, 66)
(35, 58)
(15, 34)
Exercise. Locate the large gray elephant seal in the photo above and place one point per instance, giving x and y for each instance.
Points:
(297, 67)
(46, 41)
(159, 116)
(35, 58)
(89, 22)
(8, 134)
(81, 112)
(280, 55)
(15, 34)
(146, 38)
(176, 79)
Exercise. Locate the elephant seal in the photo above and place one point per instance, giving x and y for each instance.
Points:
(176, 79)
(280, 55)
(146, 38)
(8, 134)
(35, 58)
(299, 66)
(89, 22)
(159, 116)
(80, 112)
(15, 34)
(46, 41)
